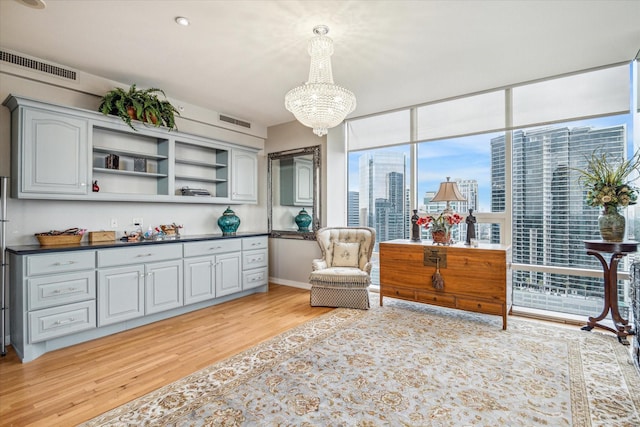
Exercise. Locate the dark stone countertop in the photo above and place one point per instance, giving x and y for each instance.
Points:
(37, 249)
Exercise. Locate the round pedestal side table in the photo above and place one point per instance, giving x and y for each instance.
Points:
(617, 250)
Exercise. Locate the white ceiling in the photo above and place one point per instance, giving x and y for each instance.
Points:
(241, 57)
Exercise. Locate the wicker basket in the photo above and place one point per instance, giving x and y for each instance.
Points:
(62, 239)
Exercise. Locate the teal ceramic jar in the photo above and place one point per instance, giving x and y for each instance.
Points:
(228, 222)
(303, 220)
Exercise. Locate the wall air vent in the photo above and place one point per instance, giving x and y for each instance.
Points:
(235, 121)
(37, 65)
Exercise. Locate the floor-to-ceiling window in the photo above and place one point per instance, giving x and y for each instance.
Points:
(513, 153)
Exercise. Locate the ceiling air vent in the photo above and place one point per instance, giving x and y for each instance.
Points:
(235, 121)
(37, 65)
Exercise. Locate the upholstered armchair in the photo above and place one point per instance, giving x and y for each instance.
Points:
(342, 277)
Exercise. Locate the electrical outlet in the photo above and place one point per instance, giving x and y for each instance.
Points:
(114, 223)
(137, 221)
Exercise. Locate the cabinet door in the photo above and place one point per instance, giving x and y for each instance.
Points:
(296, 181)
(303, 182)
(163, 289)
(199, 279)
(244, 180)
(120, 294)
(55, 153)
(228, 274)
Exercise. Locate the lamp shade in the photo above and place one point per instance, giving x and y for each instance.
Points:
(448, 192)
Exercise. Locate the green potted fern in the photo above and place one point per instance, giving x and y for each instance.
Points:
(139, 104)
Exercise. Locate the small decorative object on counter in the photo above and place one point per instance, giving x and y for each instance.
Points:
(415, 227)
(67, 237)
(95, 187)
(228, 222)
(171, 231)
(303, 220)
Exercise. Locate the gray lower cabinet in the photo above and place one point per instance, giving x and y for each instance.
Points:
(212, 269)
(255, 260)
(61, 298)
(120, 294)
(138, 281)
(52, 296)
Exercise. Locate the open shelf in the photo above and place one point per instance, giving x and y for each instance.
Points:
(133, 173)
(129, 153)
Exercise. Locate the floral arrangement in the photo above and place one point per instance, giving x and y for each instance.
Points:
(606, 182)
(442, 222)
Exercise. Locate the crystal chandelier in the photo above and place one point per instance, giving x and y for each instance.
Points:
(319, 103)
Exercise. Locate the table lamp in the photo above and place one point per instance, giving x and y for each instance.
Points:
(448, 192)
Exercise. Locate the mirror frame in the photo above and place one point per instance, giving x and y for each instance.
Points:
(315, 221)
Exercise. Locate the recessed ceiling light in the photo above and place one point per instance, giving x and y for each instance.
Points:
(35, 4)
(181, 20)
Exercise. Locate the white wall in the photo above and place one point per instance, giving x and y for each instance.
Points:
(27, 217)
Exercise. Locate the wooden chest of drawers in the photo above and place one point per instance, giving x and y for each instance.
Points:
(475, 279)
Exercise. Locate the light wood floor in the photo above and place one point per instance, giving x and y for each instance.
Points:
(74, 384)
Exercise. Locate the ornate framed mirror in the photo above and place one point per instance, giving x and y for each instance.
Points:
(294, 193)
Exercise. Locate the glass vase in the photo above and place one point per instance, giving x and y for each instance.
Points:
(611, 224)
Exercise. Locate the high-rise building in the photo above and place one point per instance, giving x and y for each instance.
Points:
(382, 194)
(549, 214)
(353, 215)
(498, 183)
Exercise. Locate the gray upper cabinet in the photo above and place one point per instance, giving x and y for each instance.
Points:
(58, 152)
(54, 153)
(245, 176)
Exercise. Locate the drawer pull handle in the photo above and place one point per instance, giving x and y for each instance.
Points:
(143, 255)
(65, 291)
(64, 263)
(215, 247)
(64, 322)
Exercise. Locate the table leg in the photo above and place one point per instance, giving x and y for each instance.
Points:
(622, 329)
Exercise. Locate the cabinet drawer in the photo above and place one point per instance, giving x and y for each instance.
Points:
(58, 321)
(60, 262)
(51, 291)
(436, 299)
(250, 243)
(390, 291)
(210, 247)
(142, 254)
(254, 278)
(479, 306)
(254, 259)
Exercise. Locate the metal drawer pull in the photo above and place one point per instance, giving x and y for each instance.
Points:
(65, 291)
(64, 322)
(214, 248)
(64, 263)
(144, 255)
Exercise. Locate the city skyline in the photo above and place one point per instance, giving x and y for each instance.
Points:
(466, 158)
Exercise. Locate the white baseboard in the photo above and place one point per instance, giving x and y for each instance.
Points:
(291, 283)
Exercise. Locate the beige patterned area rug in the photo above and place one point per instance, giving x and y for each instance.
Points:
(405, 364)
